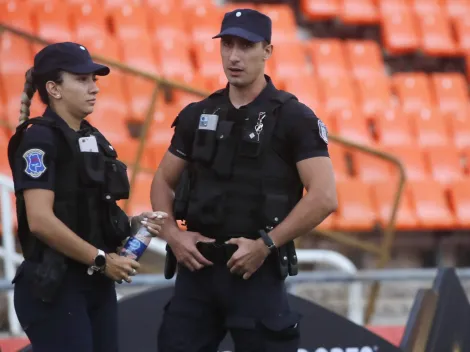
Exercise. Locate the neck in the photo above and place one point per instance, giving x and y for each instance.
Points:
(240, 96)
(72, 121)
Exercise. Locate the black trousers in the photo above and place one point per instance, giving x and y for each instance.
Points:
(211, 302)
(83, 318)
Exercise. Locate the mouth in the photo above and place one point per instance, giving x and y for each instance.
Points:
(235, 71)
(92, 101)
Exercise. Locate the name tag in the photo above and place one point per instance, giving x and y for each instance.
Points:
(88, 144)
(208, 122)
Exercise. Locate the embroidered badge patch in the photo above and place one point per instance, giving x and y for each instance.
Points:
(35, 166)
(323, 131)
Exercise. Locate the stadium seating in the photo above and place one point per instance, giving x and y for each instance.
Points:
(421, 118)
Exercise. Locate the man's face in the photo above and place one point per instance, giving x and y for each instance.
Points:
(243, 61)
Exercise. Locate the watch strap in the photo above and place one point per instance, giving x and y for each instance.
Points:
(267, 240)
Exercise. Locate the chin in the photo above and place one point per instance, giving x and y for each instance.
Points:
(237, 82)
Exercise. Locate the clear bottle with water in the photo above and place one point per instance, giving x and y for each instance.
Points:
(136, 245)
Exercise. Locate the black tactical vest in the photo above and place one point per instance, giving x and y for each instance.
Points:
(87, 186)
(237, 183)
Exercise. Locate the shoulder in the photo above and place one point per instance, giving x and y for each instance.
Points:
(294, 111)
(192, 111)
(38, 138)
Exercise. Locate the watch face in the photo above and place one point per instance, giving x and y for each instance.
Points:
(100, 261)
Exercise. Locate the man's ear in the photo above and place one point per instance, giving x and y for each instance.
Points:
(268, 51)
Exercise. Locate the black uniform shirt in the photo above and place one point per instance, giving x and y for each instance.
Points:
(299, 133)
(37, 155)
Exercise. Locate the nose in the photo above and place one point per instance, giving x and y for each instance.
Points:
(234, 55)
(94, 88)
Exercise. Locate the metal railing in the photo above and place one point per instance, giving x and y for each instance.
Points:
(382, 250)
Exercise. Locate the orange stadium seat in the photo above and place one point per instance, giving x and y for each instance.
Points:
(16, 55)
(413, 162)
(191, 4)
(365, 58)
(108, 47)
(338, 94)
(445, 164)
(462, 27)
(140, 93)
(451, 91)
(355, 208)
(289, 61)
(284, 27)
(140, 193)
(394, 128)
(436, 35)
(203, 21)
(339, 160)
(459, 196)
(16, 14)
(140, 54)
(307, 91)
(457, 8)
(111, 5)
(315, 10)
(458, 124)
(388, 7)
(375, 94)
(173, 59)
(351, 125)
(430, 205)
(426, 7)
(89, 21)
(328, 57)
(413, 90)
(112, 99)
(371, 169)
(429, 128)
(399, 32)
(168, 23)
(208, 61)
(52, 21)
(359, 12)
(129, 22)
(12, 88)
(383, 196)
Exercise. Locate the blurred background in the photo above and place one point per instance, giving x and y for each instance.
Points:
(388, 77)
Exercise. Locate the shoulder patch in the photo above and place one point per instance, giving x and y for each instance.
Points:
(323, 131)
(35, 166)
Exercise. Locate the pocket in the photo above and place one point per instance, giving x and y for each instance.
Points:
(117, 181)
(281, 327)
(206, 206)
(226, 149)
(92, 168)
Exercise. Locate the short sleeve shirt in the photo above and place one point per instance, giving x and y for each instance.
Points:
(299, 133)
(35, 159)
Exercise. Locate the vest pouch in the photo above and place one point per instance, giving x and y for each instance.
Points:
(226, 149)
(205, 139)
(117, 227)
(206, 205)
(250, 145)
(275, 208)
(117, 182)
(92, 168)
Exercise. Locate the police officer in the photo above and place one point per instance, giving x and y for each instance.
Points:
(238, 162)
(67, 180)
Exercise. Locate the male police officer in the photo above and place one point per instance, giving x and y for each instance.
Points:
(246, 153)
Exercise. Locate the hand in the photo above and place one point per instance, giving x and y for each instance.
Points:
(183, 245)
(249, 256)
(120, 268)
(153, 221)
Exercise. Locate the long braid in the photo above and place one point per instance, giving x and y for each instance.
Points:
(27, 95)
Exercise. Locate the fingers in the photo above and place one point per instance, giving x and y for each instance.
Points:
(154, 229)
(133, 264)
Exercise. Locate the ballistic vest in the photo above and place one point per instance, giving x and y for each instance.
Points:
(87, 186)
(236, 182)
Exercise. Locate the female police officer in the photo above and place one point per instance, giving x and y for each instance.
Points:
(67, 181)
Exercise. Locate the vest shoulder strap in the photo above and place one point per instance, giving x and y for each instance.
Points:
(283, 97)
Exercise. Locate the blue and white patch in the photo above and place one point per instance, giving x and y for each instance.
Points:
(208, 122)
(35, 166)
(323, 131)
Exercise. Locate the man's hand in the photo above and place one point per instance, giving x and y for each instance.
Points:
(183, 245)
(249, 256)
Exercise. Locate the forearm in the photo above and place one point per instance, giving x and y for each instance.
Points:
(305, 216)
(162, 196)
(58, 236)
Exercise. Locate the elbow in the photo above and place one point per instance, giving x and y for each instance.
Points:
(37, 223)
(328, 202)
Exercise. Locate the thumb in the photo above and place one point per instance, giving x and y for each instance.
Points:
(202, 238)
(233, 241)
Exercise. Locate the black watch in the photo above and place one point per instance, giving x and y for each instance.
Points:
(268, 241)
(99, 263)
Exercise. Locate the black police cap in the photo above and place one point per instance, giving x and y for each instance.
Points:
(247, 24)
(69, 57)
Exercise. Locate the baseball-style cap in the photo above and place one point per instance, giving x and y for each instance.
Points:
(69, 57)
(248, 24)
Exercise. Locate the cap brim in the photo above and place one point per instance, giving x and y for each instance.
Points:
(88, 68)
(242, 33)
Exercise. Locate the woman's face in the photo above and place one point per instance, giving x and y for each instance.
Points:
(77, 93)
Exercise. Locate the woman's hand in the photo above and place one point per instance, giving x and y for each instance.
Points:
(153, 221)
(120, 268)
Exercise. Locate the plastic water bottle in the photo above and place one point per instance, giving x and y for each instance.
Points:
(136, 244)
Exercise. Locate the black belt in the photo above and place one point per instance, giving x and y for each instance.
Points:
(217, 253)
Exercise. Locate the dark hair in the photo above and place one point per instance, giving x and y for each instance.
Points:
(35, 82)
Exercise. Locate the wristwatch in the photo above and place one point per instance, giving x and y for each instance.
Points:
(99, 263)
(267, 241)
